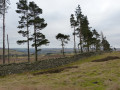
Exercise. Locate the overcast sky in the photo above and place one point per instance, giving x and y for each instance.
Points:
(103, 15)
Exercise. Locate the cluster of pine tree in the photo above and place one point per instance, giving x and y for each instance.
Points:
(89, 40)
(31, 24)
(30, 17)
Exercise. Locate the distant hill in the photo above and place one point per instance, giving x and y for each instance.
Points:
(118, 49)
(13, 52)
(44, 50)
(20, 51)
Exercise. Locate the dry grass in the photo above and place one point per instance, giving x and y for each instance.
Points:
(20, 59)
(88, 76)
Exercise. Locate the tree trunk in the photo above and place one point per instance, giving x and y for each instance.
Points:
(81, 42)
(74, 42)
(78, 48)
(36, 53)
(35, 40)
(63, 49)
(4, 32)
(35, 45)
(88, 48)
(28, 41)
(96, 47)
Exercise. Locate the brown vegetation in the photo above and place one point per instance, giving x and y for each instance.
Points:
(58, 70)
(107, 59)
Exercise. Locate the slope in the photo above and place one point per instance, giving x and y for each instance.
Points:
(80, 75)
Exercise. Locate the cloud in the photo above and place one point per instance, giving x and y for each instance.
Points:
(103, 15)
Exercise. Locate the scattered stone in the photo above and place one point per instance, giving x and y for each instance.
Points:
(95, 82)
(110, 80)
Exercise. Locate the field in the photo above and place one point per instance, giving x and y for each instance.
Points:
(19, 55)
(11, 52)
(81, 75)
(13, 55)
(20, 59)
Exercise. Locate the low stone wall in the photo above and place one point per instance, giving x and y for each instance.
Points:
(45, 64)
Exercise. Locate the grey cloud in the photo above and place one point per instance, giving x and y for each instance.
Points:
(103, 15)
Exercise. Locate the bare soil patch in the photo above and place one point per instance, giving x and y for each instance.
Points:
(107, 59)
(58, 70)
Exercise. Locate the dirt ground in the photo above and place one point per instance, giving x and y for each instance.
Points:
(107, 59)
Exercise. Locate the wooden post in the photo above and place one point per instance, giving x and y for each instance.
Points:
(8, 49)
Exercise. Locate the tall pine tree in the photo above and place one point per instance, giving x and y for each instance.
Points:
(88, 39)
(73, 23)
(23, 10)
(96, 40)
(38, 23)
(79, 17)
(87, 34)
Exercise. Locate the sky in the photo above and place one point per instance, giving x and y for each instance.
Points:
(103, 15)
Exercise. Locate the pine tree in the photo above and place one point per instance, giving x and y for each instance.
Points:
(73, 23)
(38, 23)
(88, 39)
(23, 10)
(96, 40)
(64, 40)
(79, 17)
(106, 45)
(86, 32)
(41, 40)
